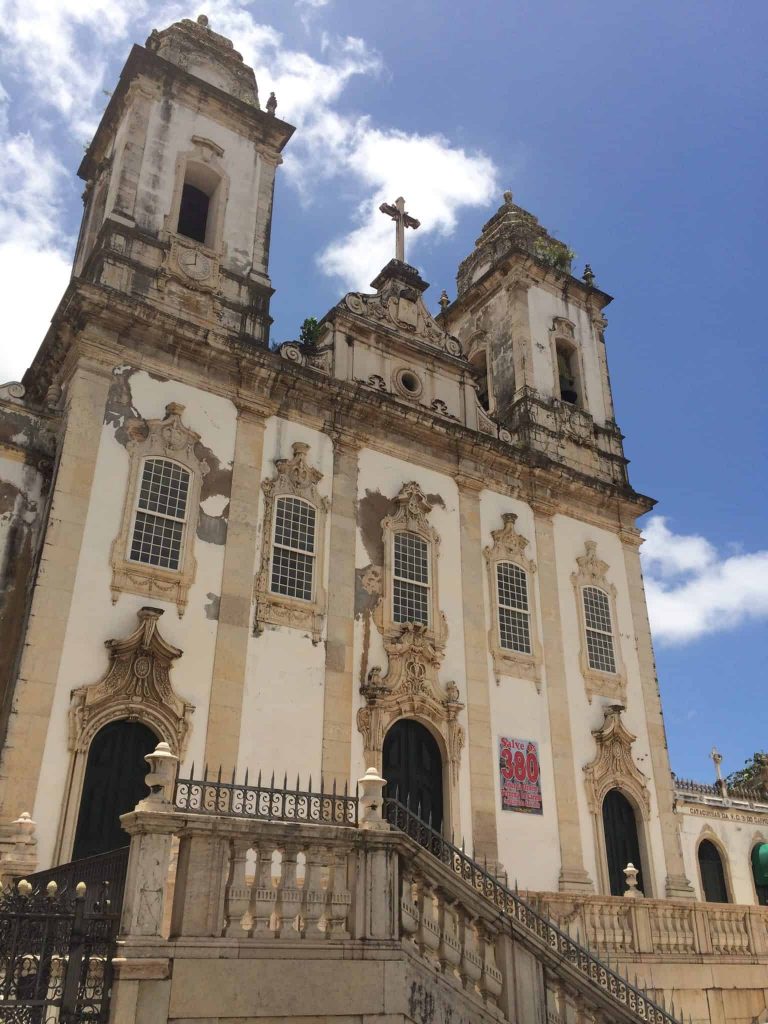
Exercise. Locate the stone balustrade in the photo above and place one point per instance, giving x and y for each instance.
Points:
(624, 928)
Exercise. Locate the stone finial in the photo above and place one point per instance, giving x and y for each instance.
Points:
(508, 198)
(371, 799)
(588, 276)
(271, 104)
(444, 300)
(202, 20)
(632, 891)
(160, 778)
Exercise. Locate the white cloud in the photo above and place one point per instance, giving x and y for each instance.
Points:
(693, 591)
(34, 255)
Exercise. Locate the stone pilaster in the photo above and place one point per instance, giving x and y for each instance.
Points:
(340, 622)
(232, 635)
(677, 884)
(573, 876)
(480, 749)
(39, 670)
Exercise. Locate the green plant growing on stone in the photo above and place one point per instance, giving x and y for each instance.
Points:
(309, 332)
(750, 775)
(553, 254)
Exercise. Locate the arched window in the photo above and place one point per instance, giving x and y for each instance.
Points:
(598, 629)
(567, 373)
(413, 769)
(113, 785)
(621, 841)
(712, 873)
(199, 216)
(294, 549)
(514, 613)
(410, 578)
(193, 212)
(760, 872)
(479, 363)
(161, 514)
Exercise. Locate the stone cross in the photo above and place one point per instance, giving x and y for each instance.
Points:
(402, 221)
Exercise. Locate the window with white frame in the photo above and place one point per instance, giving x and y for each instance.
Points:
(293, 548)
(410, 578)
(514, 611)
(599, 633)
(160, 515)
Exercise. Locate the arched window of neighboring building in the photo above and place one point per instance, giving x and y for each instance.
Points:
(760, 872)
(413, 769)
(712, 873)
(113, 785)
(622, 845)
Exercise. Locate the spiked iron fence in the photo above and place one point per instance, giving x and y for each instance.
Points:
(265, 802)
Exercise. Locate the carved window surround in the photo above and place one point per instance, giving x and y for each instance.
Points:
(613, 767)
(592, 572)
(410, 688)
(136, 687)
(293, 477)
(509, 546)
(170, 439)
(563, 332)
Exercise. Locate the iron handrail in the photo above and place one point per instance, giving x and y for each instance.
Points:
(514, 906)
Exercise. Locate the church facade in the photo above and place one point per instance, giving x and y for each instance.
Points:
(408, 542)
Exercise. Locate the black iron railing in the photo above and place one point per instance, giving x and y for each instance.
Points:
(103, 870)
(265, 802)
(514, 906)
(55, 955)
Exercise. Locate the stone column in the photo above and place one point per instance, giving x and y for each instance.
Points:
(677, 885)
(480, 748)
(234, 628)
(340, 620)
(38, 673)
(573, 876)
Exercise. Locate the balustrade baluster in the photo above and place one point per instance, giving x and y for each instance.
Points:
(289, 893)
(491, 979)
(450, 939)
(409, 904)
(339, 895)
(264, 901)
(471, 959)
(314, 891)
(237, 895)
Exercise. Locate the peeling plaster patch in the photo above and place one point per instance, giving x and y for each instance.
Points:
(212, 608)
(434, 499)
(212, 529)
(120, 408)
(366, 598)
(370, 511)
(214, 505)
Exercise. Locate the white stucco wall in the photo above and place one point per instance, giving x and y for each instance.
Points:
(94, 619)
(282, 725)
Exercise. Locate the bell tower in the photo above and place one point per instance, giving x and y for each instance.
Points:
(179, 184)
(534, 335)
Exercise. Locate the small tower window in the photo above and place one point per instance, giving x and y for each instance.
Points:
(193, 213)
(479, 364)
(567, 374)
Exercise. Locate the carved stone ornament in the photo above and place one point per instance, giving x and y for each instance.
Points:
(410, 688)
(301, 355)
(136, 686)
(404, 309)
(167, 438)
(592, 572)
(296, 477)
(613, 766)
(509, 546)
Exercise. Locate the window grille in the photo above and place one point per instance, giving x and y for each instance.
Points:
(514, 614)
(410, 592)
(597, 618)
(293, 549)
(161, 513)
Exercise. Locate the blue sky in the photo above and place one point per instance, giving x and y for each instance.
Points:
(632, 130)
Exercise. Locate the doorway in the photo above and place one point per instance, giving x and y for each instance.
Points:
(413, 769)
(113, 785)
(712, 873)
(621, 841)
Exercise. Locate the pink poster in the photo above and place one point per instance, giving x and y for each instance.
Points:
(519, 775)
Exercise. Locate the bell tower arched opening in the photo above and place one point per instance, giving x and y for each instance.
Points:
(622, 845)
(113, 785)
(413, 768)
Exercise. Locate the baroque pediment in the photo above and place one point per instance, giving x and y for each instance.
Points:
(613, 766)
(136, 686)
(398, 304)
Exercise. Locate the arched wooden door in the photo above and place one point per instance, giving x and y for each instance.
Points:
(621, 842)
(113, 785)
(712, 873)
(413, 769)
